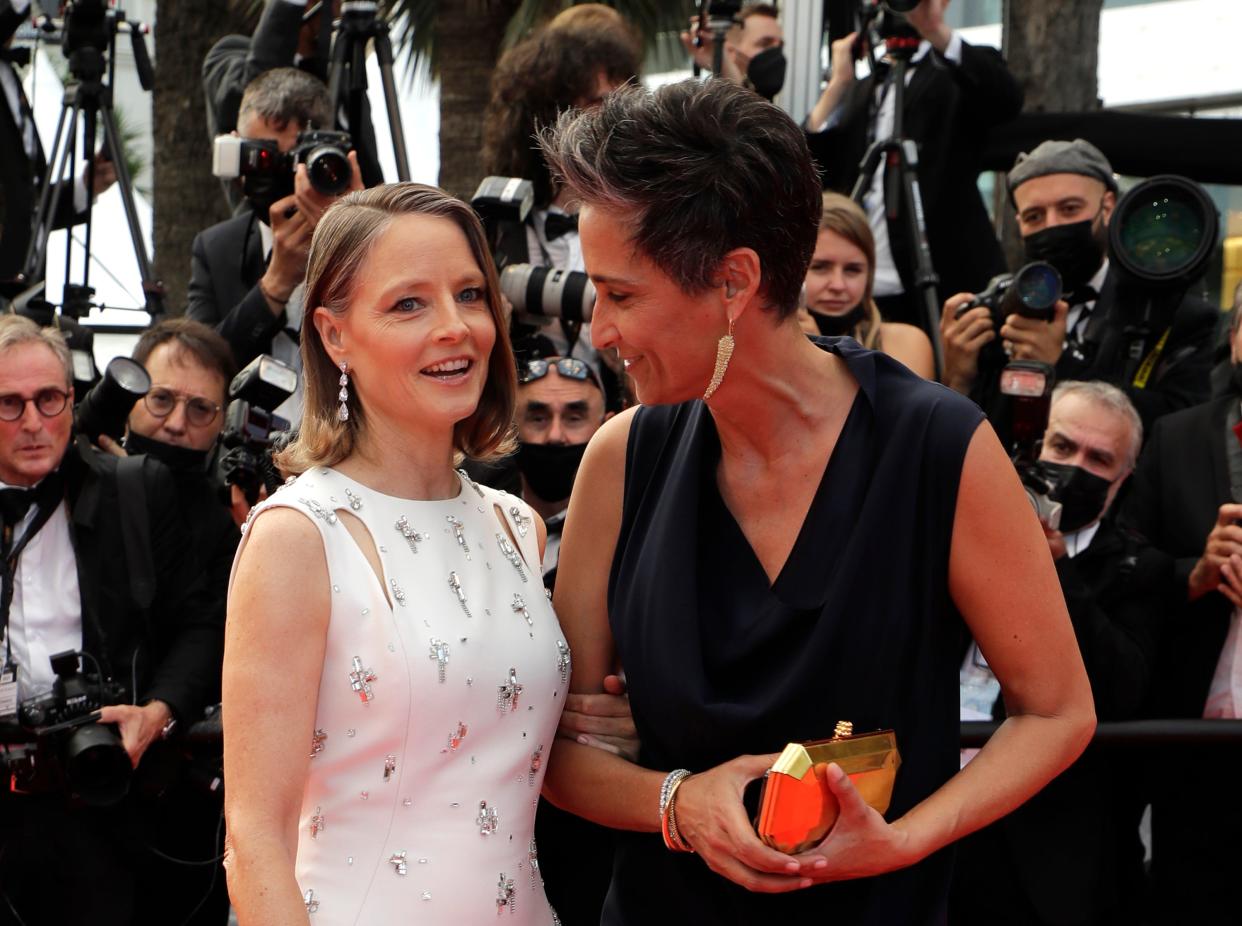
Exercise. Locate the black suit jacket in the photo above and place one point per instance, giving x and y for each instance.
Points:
(1075, 833)
(226, 263)
(174, 647)
(235, 60)
(948, 111)
(1181, 481)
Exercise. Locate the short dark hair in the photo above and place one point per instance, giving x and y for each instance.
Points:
(199, 341)
(284, 95)
(544, 75)
(698, 169)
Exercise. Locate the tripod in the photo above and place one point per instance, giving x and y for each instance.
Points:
(902, 200)
(88, 99)
(347, 75)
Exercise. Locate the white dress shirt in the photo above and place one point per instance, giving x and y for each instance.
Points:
(46, 615)
(286, 344)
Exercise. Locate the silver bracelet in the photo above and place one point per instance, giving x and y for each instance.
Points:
(671, 780)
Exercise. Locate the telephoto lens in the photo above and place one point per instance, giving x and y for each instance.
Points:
(565, 294)
(105, 410)
(1164, 231)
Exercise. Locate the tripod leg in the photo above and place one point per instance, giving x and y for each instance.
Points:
(925, 278)
(152, 290)
(41, 226)
(383, 52)
(336, 72)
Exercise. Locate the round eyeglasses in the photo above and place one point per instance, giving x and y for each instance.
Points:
(198, 411)
(47, 402)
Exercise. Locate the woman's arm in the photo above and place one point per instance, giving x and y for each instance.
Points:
(1002, 579)
(597, 784)
(274, 646)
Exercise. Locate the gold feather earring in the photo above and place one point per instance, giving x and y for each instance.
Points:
(724, 353)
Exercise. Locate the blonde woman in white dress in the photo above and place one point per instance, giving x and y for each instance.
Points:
(393, 672)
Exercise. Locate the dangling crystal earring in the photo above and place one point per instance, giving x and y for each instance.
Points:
(724, 352)
(343, 412)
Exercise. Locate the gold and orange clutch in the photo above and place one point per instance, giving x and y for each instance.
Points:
(797, 808)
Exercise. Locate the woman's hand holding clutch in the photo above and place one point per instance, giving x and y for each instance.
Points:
(861, 842)
(712, 819)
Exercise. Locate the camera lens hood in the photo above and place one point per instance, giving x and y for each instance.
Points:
(1164, 231)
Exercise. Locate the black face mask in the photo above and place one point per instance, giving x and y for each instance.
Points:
(549, 469)
(766, 72)
(1076, 250)
(836, 325)
(1082, 494)
(178, 459)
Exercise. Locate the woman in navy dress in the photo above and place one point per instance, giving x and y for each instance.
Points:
(787, 534)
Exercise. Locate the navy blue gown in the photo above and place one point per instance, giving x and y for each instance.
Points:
(858, 626)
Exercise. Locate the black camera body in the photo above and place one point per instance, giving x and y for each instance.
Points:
(251, 427)
(72, 752)
(261, 165)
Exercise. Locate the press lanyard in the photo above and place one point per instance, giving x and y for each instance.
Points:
(1149, 362)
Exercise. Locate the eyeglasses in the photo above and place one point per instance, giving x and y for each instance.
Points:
(569, 367)
(198, 411)
(48, 402)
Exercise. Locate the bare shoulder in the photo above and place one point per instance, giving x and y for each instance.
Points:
(910, 346)
(282, 562)
(605, 454)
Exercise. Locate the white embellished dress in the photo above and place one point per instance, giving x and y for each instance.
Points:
(434, 715)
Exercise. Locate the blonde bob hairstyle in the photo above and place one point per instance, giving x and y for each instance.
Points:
(844, 217)
(338, 254)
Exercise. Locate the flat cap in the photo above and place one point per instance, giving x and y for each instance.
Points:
(1062, 157)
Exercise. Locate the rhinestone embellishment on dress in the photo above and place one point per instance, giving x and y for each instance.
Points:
(355, 503)
(521, 521)
(317, 742)
(488, 819)
(312, 905)
(519, 607)
(412, 537)
(536, 762)
(507, 695)
(397, 592)
(316, 823)
(390, 766)
(454, 582)
(360, 680)
(398, 862)
(505, 895)
(455, 738)
(459, 531)
(439, 654)
(511, 554)
(564, 660)
(319, 510)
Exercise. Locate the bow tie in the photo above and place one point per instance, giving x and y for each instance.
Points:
(18, 56)
(14, 503)
(1082, 295)
(555, 224)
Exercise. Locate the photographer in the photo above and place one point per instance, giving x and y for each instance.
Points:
(283, 38)
(89, 567)
(1077, 833)
(1064, 193)
(754, 47)
(955, 93)
(246, 272)
(580, 56)
(23, 163)
(1186, 497)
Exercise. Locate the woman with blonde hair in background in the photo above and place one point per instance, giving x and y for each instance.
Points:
(838, 289)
